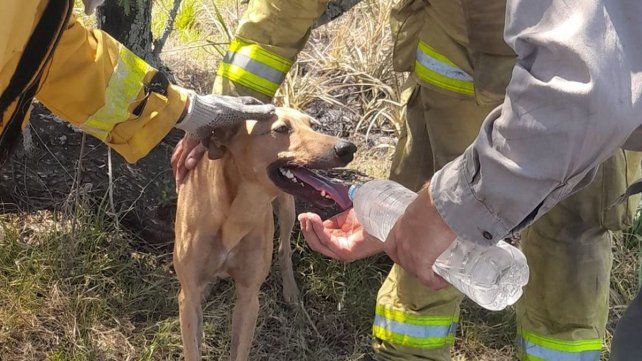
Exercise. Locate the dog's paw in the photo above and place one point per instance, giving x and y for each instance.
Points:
(291, 294)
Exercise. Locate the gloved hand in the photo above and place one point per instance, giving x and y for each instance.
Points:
(207, 113)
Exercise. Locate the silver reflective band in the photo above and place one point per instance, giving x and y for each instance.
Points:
(254, 67)
(414, 330)
(543, 353)
(442, 68)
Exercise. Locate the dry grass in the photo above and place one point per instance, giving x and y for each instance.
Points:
(97, 293)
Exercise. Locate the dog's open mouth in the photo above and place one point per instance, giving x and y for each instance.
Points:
(309, 186)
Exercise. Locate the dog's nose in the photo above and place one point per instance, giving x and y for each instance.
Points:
(345, 151)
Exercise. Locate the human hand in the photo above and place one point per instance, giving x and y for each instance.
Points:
(186, 155)
(418, 237)
(415, 242)
(341, 237)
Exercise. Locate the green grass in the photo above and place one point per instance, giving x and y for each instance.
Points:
(96, 293)
(84, 290)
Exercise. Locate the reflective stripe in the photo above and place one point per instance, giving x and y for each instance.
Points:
(436, 69)
(413, 330)
(254, 67)
(124, 85)
(538, 348)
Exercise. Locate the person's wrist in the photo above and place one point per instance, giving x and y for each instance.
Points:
(188, 103)
(439, 223)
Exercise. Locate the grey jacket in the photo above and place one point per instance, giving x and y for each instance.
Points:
(573, 100)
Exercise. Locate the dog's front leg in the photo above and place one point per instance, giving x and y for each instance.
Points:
(191, 318)
(246, 311)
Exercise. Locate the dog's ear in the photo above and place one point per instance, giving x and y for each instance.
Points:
(217, 143)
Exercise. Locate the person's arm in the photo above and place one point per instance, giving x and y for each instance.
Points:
(573, 99)
(97, 84)
(269, 37)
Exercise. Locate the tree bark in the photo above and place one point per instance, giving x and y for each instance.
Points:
(169, 26)
(130, 22)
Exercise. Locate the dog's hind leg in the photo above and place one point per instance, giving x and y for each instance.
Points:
(284, 205)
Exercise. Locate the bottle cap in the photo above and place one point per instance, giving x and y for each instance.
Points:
(353, 190)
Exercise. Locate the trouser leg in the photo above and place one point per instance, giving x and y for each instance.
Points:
(564, 310)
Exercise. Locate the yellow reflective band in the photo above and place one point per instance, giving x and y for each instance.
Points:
(413, 319)
(434, 68)
(411, 330)
(239, 75)
(562, 345)
(410, 341)
(254, 51)
(124, 85)
(254, 67)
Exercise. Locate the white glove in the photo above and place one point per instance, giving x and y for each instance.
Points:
(206, 113)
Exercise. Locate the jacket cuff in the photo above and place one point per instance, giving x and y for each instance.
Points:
(135, 138)
(224, 86)
(461, 208)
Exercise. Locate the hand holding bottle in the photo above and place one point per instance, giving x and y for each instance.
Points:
(418, 238)
(342, 237)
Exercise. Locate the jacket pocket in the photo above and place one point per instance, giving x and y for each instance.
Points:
(492, 74)
(406, 21)
(492, 58)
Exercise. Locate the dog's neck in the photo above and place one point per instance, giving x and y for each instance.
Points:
(240, 186)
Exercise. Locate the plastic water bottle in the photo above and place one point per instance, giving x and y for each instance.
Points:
(492, 277)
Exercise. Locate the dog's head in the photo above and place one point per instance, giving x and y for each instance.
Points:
(280, 154)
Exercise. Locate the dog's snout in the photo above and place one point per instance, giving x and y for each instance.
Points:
(345, 151)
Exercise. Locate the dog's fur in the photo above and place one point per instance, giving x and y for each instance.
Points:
(224, 224)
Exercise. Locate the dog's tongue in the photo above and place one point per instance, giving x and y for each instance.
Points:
(338, 192)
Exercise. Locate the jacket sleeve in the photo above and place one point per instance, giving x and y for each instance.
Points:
(95, 83)
(573, 100)
(267, 41)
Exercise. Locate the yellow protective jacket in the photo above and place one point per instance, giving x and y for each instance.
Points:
(453, 46)
(83, 76)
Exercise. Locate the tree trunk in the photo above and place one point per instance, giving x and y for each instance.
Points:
(130, 22)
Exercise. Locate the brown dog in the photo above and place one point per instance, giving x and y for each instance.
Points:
(224, 224)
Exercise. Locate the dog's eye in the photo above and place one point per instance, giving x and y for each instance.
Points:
(282, 129)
